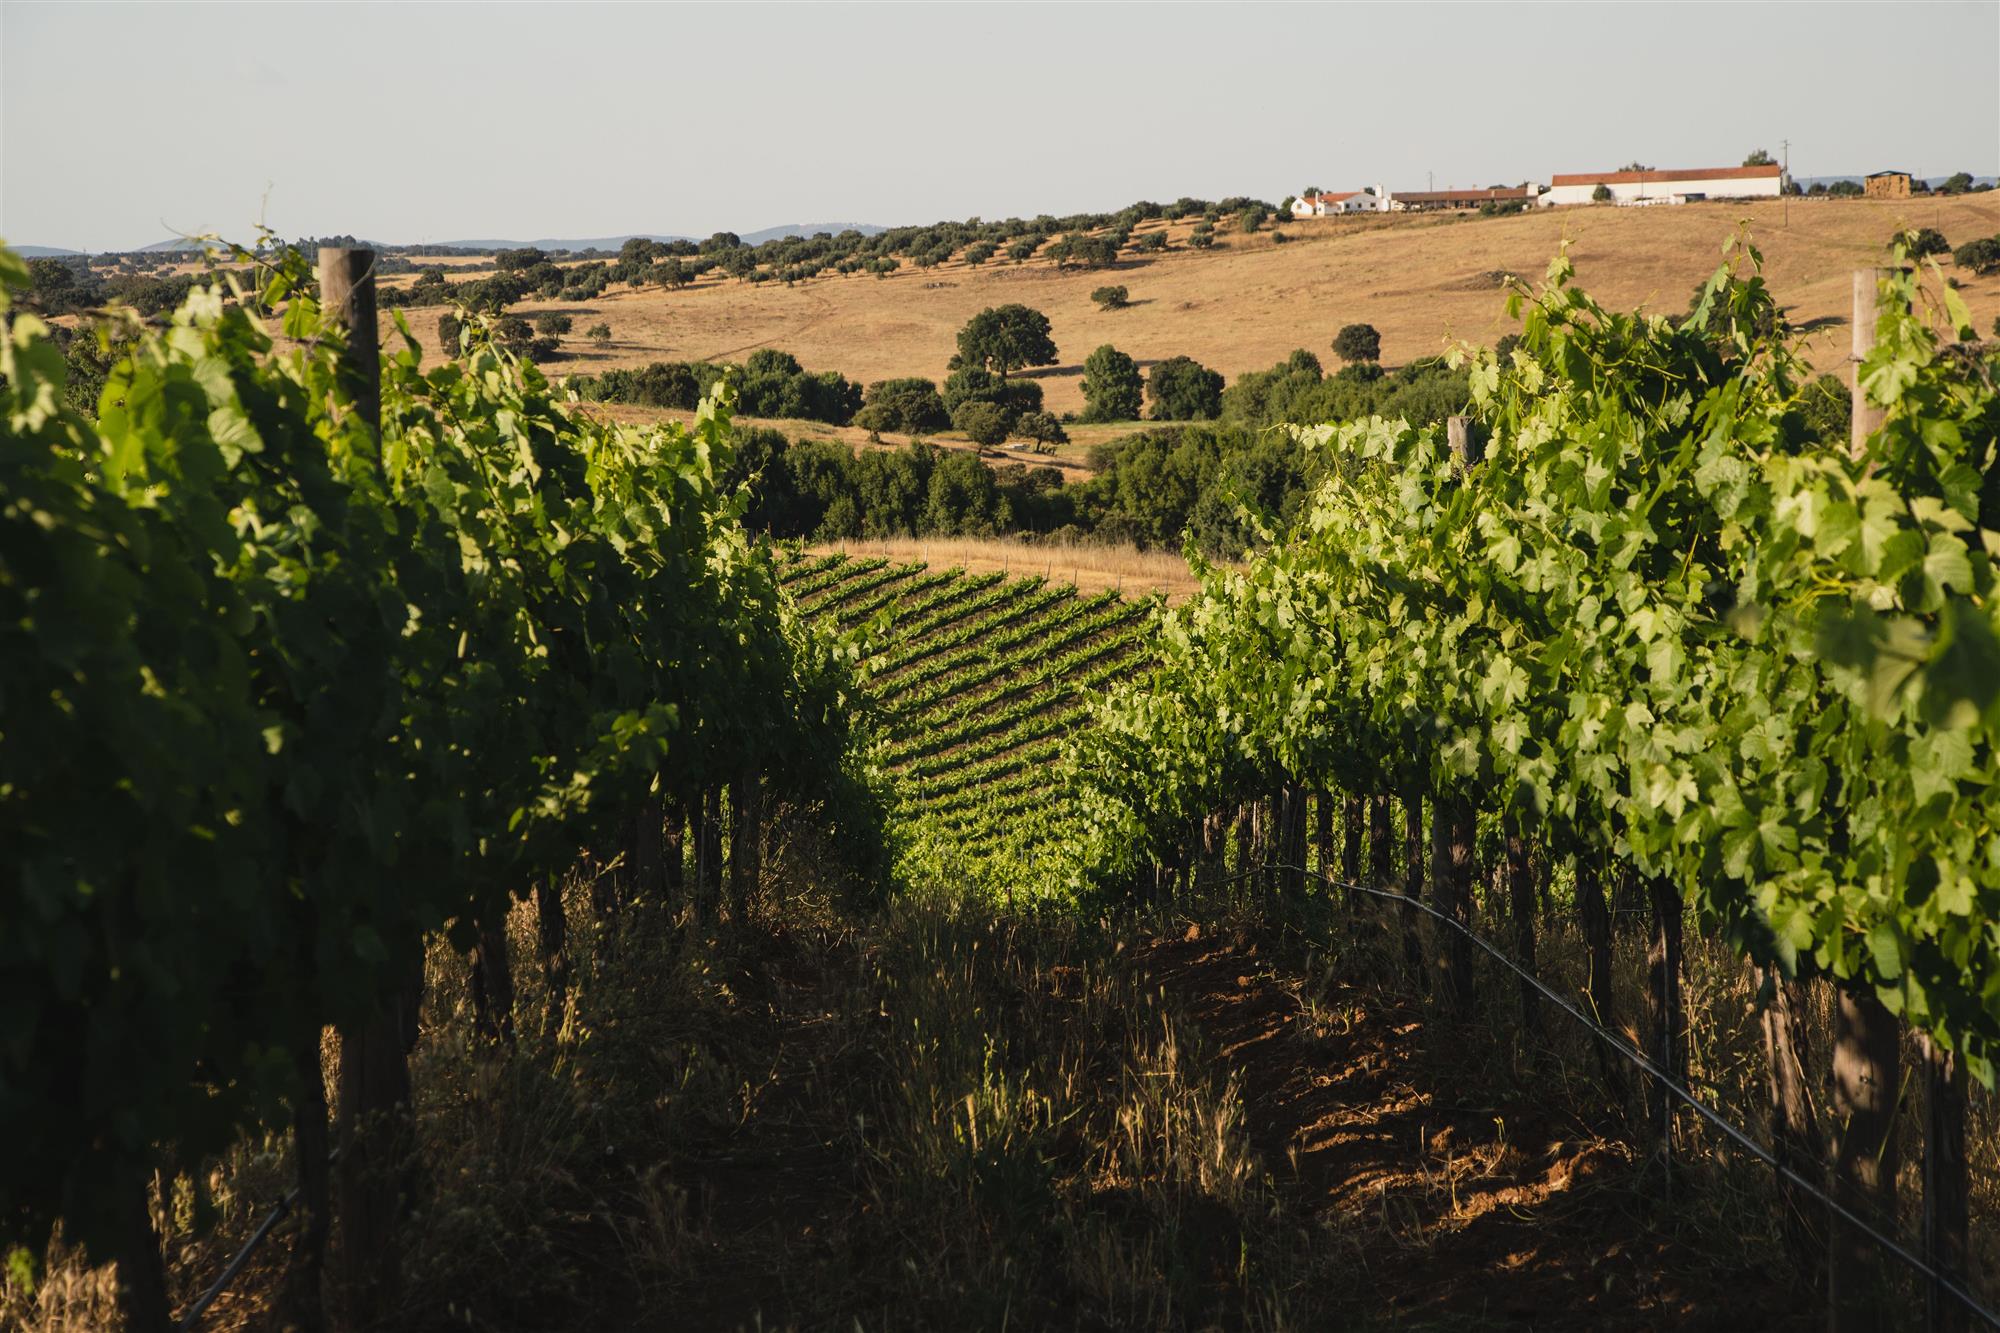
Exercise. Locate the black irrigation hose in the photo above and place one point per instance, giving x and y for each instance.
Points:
(236, 1265)
(1700, 1108)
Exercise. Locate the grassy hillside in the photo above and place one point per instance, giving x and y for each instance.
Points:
(1244, 305)
(978, 679)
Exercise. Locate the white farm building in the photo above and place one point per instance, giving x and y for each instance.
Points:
(1636, 187)
(1321, 204)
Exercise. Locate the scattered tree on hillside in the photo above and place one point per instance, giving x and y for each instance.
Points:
(448, 331)
(552, 325)
(1845, 190)
(985, 424)
(1151, 242)
(1182, 389)
(1079, 251)
(1956, 183)
(599, 333)
(1358, 342)
(1043, 429)
(1005, 338)
(1203, 235)
(910, 405)
(1981, 256)
(1759, 158)
(507, 261)
(1024, 249)
(1112, 389)
(1250, 218)
(1111, 298)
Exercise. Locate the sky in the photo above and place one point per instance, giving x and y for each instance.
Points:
(124, 124)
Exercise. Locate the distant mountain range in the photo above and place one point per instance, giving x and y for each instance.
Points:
(176, 245)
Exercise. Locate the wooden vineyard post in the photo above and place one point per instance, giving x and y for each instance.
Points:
(1381, 873)
(1323, 834)
(673, 855)
(1866, 1050)
(1413, 877)
(141, 1274)
(1795, 1136)
(347, 294)
(374, 1055)
(1866, 418)
(1350, 844)
(1667, 1016)
(1453, 826)
(552, 939)
(493, 981)
(1462, 433)
(1594, 915)
(1946, 1188)
(1521, 900)
(708, 856)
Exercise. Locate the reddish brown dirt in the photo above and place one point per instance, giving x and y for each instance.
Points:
(1464, 1204)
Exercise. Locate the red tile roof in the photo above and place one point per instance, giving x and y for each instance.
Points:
(1657, 177)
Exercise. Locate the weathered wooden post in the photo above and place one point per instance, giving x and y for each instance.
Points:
(1866, 418)
(374, 1056)
(1946, 1211)
(347, 294)
(1866, 1051)
(1413, 876)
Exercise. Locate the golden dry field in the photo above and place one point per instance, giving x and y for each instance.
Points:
(1088, 567)
(1422, 280)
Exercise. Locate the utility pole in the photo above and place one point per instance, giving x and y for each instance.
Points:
(1785, 185)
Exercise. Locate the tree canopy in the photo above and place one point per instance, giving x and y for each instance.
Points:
(1182, 389)
(1112, 388)
(1005, 338)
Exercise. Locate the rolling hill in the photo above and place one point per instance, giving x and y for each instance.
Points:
(1244, 305)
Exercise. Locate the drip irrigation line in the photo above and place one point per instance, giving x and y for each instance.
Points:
(1750, 1145)
(221, 1284)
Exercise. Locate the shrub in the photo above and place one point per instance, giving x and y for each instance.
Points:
(985, 424)
(1358, 342)
(448, 331)
(1601, 195)
(1250, 218)
(1042, 428)
(1112, 388)
(1111, 298)
(1182, 389)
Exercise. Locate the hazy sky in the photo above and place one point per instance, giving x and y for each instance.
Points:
(121, 124)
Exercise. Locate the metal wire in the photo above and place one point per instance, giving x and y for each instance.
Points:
(1742, 1139)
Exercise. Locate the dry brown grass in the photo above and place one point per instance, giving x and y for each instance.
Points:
(1245, 305)
(1088, 567)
